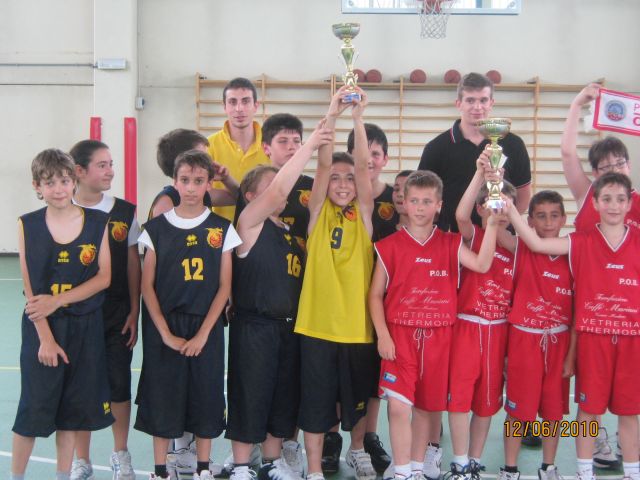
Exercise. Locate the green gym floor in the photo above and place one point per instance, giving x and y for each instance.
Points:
(42, 464)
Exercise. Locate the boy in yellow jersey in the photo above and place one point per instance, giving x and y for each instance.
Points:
(337, 334)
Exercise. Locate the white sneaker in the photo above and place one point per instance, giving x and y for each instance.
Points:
(584, 477)
(120, 462)
(204, 475)
(292, 454)
(390, 472)
(183, 461)
(81, 470)
(504, 475)
(551, 473)
(360, 461)
(632, 476)
(278, 470)
(432, 462)
(457, 472)
(242, 473)
(603, 454)
(254, 460)
(315, 476)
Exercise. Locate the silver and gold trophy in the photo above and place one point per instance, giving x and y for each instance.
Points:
(346, 32)
(494, 129)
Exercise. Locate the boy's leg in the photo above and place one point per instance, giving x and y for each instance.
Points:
(203, 452)
(372, 444)
(584, 447)
(122, 414)
(241, 452)
(420, 431)
(400, 430)
(83, 444)
(160, 446)
(313, 446)
(478, 432)
(459, 427)
(65, 443)
(628, 432)
(550, 448)
(512, 444)
(20, 453)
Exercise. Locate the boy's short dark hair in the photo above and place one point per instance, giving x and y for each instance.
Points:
(474, 81)
(252, 178)
(507, 189)
(237, 83)
(612, 178)
(82, 151)
(342, 157)
(51, 162)
(424, 179)
(277, 123)
(374, 134)
(194, 159)
(545, 196)
(404, 173)
(601, 149)
(173, 144)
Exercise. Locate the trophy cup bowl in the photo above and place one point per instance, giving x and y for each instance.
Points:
(346, 32)
(494, 129)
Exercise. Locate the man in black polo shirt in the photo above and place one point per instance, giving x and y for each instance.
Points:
(453, 154)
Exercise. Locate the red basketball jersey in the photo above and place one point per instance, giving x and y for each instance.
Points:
(487, 295)
(588, 216)
(607, 297)
(422, 278)
(542, 289)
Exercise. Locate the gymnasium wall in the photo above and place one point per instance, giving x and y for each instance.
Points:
(568, 41)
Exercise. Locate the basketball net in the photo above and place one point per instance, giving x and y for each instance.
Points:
(434, 15)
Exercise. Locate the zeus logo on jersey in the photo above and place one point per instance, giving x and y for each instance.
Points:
(614, 266)
(423, 260)
(501, 257)
(555, 276)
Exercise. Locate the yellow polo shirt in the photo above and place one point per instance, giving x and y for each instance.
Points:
(227, 152)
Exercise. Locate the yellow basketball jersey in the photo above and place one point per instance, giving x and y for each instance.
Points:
(333, 302)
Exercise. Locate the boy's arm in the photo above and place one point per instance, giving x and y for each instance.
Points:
(386, 347)
(41, 306)
(134, 273)
(163, 204)
(577, 179)
(325, 153)
(193, 347)
(49, 348)
(481, 262)
(153, 305)
(550, 246)
(468, 201)
(227, 196)
(569, 367)
(257, 211)
(364, 189)
(506, 239)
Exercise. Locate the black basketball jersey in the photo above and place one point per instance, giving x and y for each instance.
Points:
(267, 282)
(187, 263)
(295, 214)
(171, 192)
(121, 218)
(384, 217)
(55, 268)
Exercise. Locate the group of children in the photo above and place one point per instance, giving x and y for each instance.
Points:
(321, 321)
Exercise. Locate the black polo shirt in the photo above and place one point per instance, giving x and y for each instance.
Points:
(453, 158)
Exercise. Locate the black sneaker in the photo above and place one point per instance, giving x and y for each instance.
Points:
(474, 469)
(380, 459)
(530, 440)
(331, 450)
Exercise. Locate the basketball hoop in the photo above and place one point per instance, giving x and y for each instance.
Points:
(433, 17)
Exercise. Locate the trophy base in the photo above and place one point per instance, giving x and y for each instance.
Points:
(351, 97)
(496, 204)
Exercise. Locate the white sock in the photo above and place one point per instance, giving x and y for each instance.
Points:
(183, 442)
(417, 466)
(404, 470)
(477, 460)
(585, 467)
(462, 460)
(631, 468)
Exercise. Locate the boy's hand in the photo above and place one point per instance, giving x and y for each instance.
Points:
(173, 342)
(131, 326)
(48, 353)
(221, 172)
(337, 106)
(569, 367)
(483, 164)
(500, 214)
(320, 136)
(386, 348)
(588, 94)
(41, 306)
(193, 347)
(359, 106)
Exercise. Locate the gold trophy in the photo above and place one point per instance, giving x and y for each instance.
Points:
(494, 129)
(346, 32)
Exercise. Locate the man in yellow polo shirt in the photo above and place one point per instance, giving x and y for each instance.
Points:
(238, 146)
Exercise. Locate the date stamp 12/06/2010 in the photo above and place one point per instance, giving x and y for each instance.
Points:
(551, 428)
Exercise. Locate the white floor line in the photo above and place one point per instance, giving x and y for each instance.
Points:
(10, 279)
(101, 468)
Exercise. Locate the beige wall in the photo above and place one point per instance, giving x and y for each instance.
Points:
(568, 41)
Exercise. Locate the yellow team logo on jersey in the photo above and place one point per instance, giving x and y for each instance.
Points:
(350, 213)
(63, 257)
(304, 197)
(119, 231)
(385, 210)
(106, 406)
(287, 238)
(87, 253)
(192, 240)
(301, 243)
(214, 237)
(360, 406)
